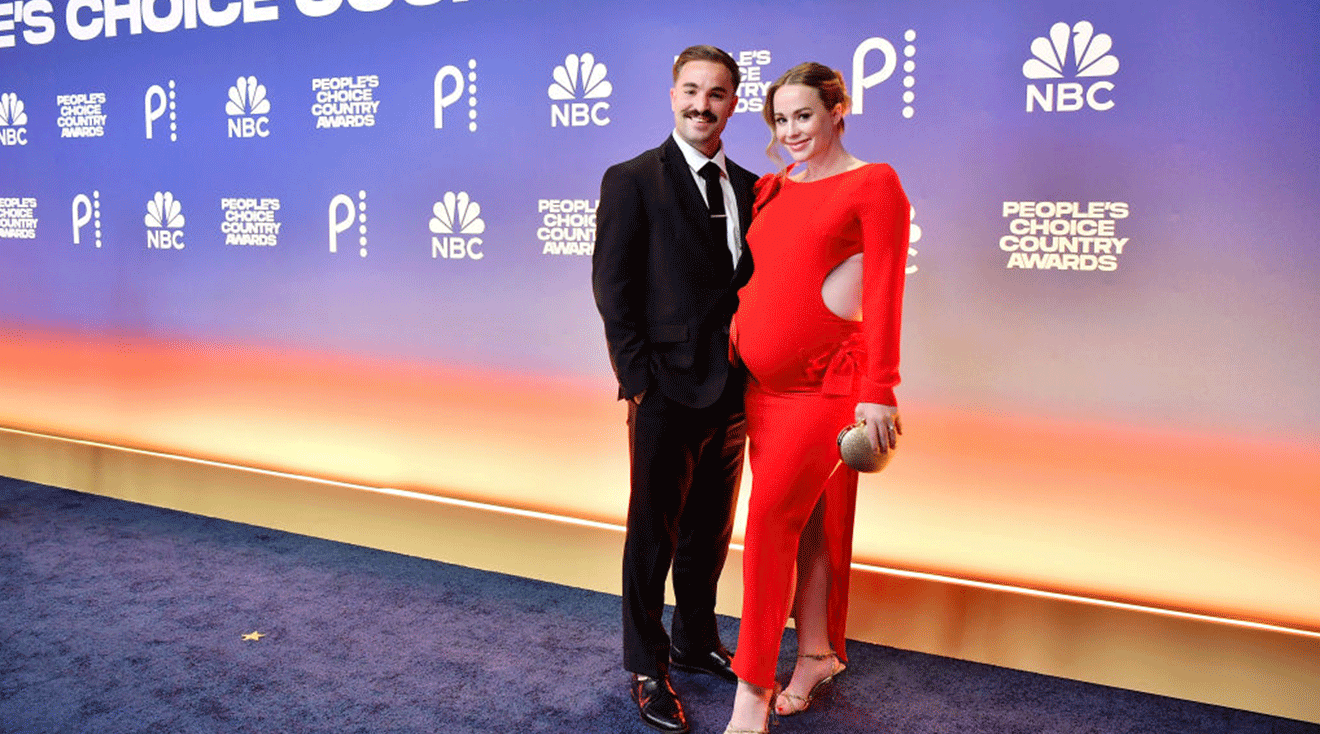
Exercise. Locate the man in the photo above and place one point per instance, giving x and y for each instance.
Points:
(668, 263)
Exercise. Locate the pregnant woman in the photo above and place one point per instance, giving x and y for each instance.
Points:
(818, 329)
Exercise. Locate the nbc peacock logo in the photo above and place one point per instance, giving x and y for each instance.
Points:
(1090, 59)
(453, 219)
(579, 91)
(164, 222)
(248, 107)
(13, 120)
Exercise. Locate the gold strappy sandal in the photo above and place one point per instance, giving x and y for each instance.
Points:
(800, 703)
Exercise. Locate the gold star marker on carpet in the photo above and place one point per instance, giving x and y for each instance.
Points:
(254, 636)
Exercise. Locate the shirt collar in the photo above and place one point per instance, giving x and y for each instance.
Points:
(695, 159)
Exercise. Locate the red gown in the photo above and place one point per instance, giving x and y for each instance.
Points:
(808, 370)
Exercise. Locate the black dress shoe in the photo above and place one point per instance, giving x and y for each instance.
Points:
(718, 662)
(659, 705)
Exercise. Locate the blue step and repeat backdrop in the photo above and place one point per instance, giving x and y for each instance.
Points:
(1114, 204)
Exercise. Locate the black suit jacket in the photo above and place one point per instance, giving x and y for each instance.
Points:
(665, 288)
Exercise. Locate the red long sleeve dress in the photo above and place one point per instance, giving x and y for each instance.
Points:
(808, 370)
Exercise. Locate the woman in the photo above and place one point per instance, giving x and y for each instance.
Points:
(830, 243)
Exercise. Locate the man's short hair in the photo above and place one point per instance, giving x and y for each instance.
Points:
(709, 53)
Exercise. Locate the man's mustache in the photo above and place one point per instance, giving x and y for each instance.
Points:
(706, 116)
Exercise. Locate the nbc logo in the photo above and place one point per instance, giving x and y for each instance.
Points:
(863, 80)
(87, 210)
(577, 80)
(164, 222)
(444, 99)
(13, 119)
(155, 103)
(453, 217)
(1090, 59)
(343, 214)
(247, 109)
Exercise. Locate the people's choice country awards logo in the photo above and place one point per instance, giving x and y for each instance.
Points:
(248, 107)
(13, 120)
(1090, 59)
(454, 218)
(82, 115)
(18, 218)
(250, 221)
(752, 88)
(578, 92)
(568, 226)
(345, 101)
(164, 222)
(1082, 236)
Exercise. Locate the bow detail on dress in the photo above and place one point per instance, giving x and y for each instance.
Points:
(838, 367)
(765, 189)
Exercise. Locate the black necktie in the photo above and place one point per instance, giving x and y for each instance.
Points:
(710, 173)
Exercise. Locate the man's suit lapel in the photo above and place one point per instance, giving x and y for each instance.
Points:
(689, 196)
(693, 204)
(744, 196)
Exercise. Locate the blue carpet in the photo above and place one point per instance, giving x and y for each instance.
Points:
(118, 617)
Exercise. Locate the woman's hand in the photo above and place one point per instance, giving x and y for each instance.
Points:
(883, 426)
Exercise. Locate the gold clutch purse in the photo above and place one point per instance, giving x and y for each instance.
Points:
(855, 450)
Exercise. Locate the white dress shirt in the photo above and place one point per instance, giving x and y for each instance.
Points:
(696, 161)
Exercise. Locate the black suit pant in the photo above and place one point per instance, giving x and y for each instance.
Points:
(686, 469)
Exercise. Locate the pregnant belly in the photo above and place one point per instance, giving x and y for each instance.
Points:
(795, 354)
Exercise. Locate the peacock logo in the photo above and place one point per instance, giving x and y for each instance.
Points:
(247, 97)
(164, 222)
(164, 211)
(580, 76)
(1090, 55)
(1090, 58)
(579, 79)
(454, 219)
(248, 107)
(13, 118)
(12, 110)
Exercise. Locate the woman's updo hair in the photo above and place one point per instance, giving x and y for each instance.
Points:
(827, 82)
